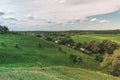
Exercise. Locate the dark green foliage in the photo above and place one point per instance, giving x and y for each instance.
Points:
(78, 46)
(111, 63)
(75, 59)
(79, 60)
(94, 46)
(48, 38)
(4, 29)
(60, 49)
(108, 46)
(67, 41)
(17, 46)
(39, 45)
(99, 57)
(38, 35)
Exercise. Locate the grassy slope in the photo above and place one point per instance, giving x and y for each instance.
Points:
(30, 55)
(52, 73)
(90, 37)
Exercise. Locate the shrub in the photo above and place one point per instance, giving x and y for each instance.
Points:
(38, 35)
(99, 58)
(49, 38)
(17, 46)
(73, 58)
(39, 45)
(79, 60)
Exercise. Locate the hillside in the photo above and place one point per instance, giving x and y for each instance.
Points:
(27, 57)
(52, 73)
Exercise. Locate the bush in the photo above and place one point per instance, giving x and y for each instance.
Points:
(17, 46)
(39, 45)
(75, 59)
(60, 49)
(49, 38)
(38, 35)
(99, 58)
(79, 60)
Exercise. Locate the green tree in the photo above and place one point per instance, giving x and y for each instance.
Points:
(94, 46)
(111, 63)
(4, 29)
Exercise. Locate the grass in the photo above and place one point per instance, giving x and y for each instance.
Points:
(90, 37)
(24, 62)
(53, 73)
(30, 54)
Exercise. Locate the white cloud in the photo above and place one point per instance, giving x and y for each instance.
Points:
(93, 19)
(104, 21)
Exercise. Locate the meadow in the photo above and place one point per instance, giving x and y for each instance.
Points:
(99, 37)
(27, 57)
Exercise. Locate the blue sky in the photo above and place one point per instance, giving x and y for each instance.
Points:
(59, 15)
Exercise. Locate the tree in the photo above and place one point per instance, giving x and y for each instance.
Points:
(67, 41)
(4, 29)
(111, 63)
(108, 46)
(73, 58)
(78, 46)
(94, 46)
(99, 57)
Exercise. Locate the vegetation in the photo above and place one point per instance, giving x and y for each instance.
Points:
(111, 63)
(26, 56)
(4, 29)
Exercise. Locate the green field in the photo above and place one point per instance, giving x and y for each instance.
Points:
(28, 61)
(90, 37)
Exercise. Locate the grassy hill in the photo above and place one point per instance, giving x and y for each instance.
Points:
(52, 73)
(90, 37)
(22, 56)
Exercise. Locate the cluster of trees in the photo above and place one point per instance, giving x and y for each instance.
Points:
(111, 63)
(4, 29)
(106, 46)
(67, 41)
(75, 59)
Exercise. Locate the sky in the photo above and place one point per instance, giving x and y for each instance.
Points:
(45, 15)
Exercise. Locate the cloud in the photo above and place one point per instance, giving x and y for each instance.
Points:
(13, 19)
(2, 13)
(30, 17)
(57, 11)
(104, 21)
(93, 19)
(10, 18)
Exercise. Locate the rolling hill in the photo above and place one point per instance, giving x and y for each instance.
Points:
(27, 57)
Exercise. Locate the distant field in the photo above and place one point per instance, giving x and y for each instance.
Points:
(90, 37)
